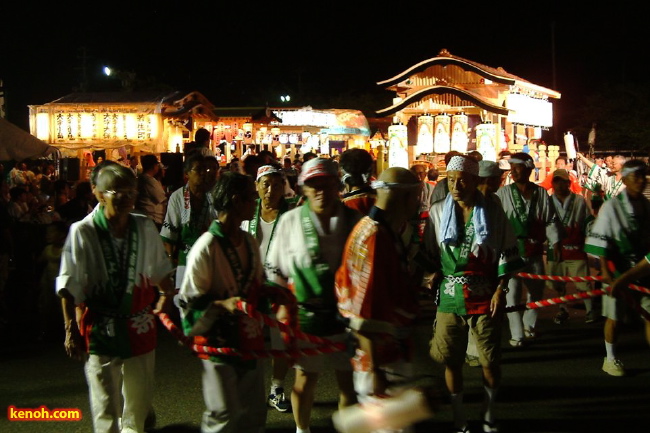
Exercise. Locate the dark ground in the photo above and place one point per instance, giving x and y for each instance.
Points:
(553, 385)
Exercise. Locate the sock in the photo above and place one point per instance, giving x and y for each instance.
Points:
(609, 348)
(589, 305)
(300, 430)
(275, 384)
(460, 421)
(488, 404)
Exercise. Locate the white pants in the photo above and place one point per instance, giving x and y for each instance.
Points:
(535, 290)
(363, 386)
(112, 379)
(235, 400)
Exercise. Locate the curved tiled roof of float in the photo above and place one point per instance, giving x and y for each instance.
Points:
(445, 58)
(439, 90)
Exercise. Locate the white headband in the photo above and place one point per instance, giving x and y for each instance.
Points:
(380, 184)
(527, 163)
(466, 164)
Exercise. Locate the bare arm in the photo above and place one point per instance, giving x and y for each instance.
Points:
(74, 343)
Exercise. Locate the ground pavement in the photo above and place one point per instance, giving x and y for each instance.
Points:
(553, 385)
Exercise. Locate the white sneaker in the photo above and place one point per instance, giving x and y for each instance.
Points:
(613, 367)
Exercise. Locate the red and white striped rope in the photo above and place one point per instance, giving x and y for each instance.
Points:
(575, 279)
(198, 344)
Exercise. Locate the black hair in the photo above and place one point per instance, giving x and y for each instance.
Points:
(191, 160)
(148, 162)
(251, 164)
(357, 165)
(201, 135)
(229, 185)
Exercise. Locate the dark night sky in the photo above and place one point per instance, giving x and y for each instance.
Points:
(249, 53)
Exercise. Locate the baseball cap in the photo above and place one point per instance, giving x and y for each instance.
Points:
(488, 169)
(561, 173)
(504, 164)
(317, 167)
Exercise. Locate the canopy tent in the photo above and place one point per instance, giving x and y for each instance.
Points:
(17, 144)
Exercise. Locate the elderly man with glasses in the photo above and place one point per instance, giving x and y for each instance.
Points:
(110, 268)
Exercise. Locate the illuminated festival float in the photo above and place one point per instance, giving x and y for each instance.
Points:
(451, 103)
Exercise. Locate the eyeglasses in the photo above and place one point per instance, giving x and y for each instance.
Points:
(201, 170)
(121, 194)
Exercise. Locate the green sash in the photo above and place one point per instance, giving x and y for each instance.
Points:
(227, 331)
(314, 285)
(454, 263)
(110, 304)
(522, 218)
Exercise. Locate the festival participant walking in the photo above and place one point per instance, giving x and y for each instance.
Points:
(224, 267)
(377, 288)
(573, 217)
(304, 257)
(477, 252)
(189, 212)
(109, 269)
(270, 205)
(356, 167)
(529, 210)
(620, 236)
(609, 180)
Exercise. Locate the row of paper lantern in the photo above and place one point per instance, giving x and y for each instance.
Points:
(441, 134)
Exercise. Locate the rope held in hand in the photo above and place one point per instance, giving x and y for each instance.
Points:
(199, 345)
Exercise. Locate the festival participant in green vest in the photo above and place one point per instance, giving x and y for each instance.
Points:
(477, 253)
(620, 237)
(270, 205)
(109, 269)
(529, 210)
(223, 267)
(304, 255)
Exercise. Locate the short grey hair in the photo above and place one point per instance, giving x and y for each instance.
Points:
(112, 174)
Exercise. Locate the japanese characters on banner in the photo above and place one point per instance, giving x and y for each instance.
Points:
(459, 137)
(425, 135)
(486, 141)
(397, 142)
(442, 138)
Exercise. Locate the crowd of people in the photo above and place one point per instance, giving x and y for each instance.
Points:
(326, 246)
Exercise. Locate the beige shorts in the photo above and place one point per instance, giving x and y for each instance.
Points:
(615, 308)
(449, 342)
(340, 361)
(568, 268)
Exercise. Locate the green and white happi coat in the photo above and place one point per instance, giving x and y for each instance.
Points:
(217, 270)
(304, 259)
(621, 233)
(183, 225)
(534, 220)
(471, 266)
(114, 283)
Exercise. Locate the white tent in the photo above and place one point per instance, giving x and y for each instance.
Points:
(17, 144)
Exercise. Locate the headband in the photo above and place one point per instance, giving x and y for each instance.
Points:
(460, 163)
(380, 184)
(266, 170)
(527, 163)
